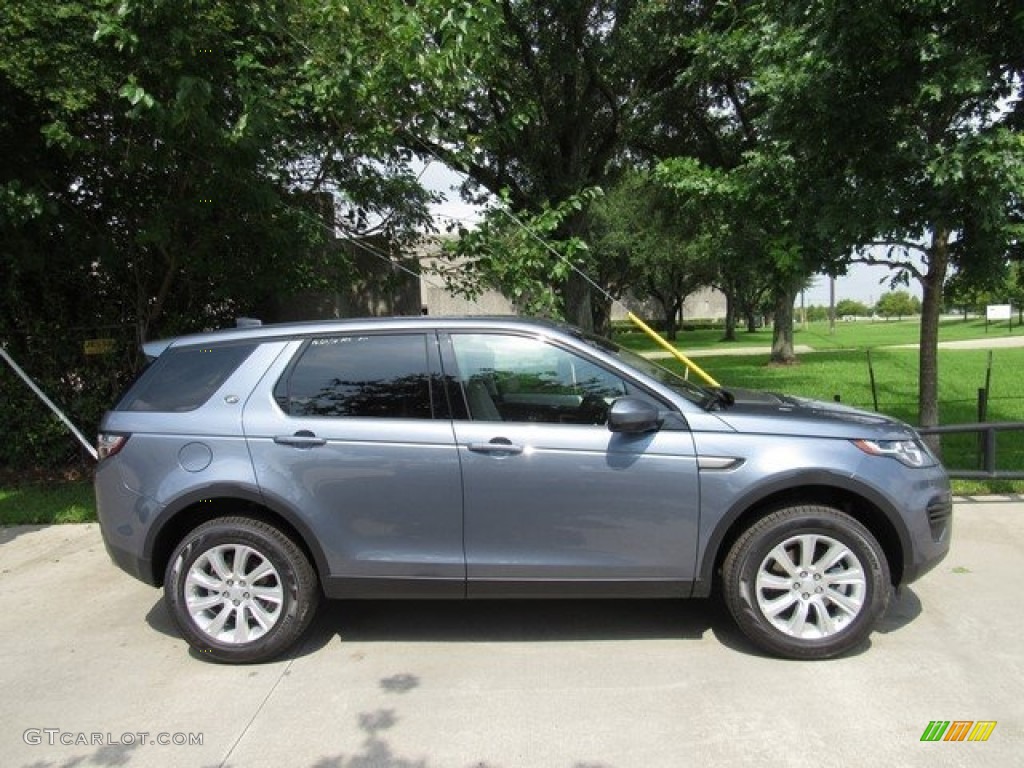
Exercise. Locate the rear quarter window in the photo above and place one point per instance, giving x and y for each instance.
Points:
(183, 378)
(373, 376)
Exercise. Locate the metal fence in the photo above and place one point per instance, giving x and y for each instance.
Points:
(986, 449)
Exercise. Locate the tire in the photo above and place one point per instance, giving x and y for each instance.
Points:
(806, 582)
(226, 614)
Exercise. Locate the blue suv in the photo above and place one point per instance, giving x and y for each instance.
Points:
(251, 471)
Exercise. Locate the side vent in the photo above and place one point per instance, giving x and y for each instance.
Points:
(940, 514)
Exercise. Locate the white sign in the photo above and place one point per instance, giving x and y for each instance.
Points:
(998, 312)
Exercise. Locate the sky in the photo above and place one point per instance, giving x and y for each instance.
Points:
(438, 177)
(861, 283)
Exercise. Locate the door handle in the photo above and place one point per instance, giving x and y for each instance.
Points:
(499, 446)
(301, 439)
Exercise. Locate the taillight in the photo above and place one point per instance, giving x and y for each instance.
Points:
(109, 444)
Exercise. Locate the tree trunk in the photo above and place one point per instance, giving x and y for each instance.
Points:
(602, 313)
(782, 328)
(730, 317)
(751, 321)
(577, 302)
(670, 310)
(931, 306)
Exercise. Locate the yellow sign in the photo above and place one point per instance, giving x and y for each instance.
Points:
(99, 346)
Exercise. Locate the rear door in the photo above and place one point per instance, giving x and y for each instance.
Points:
(554, 502)
(352, 431)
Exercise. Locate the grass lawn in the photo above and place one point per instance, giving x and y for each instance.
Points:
(863, 334)
(845, 373)
(45, 503)
(866, 334)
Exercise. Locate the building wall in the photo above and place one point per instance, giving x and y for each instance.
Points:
(371, 278)
(437, 300)
(705, 304)
(367, 280)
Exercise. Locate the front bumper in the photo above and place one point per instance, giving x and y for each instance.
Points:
(929, 520)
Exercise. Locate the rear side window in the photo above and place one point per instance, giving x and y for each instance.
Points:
(183, 378)
(359, 376)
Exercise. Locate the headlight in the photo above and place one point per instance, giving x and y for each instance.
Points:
(909, 452)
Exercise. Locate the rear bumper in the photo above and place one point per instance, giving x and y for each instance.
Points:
(139, 567)
(123, 516)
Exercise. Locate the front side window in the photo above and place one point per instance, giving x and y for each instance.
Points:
(359, 376)
(516, 378)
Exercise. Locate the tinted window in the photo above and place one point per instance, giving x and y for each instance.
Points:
(184, 378)
(375, 376)
(514, 378)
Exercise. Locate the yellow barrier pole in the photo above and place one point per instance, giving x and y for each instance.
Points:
(675, 352)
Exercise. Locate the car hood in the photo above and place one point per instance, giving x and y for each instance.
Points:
(774, 413)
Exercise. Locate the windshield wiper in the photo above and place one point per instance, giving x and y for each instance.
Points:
(718, 396)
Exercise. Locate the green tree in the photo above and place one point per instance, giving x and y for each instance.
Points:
(550, 111)
(970, 292)
(519, 256)
(665, 252)
(852, 308)
(898, 304)
(1015, 289)
(817, 314)
(912, 110)
(168, 166)
(720, 114)
(158, 169)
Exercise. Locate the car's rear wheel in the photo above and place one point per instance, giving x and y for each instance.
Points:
(806, 582)
(240, 590)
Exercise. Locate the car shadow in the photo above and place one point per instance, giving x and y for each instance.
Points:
(160, 619)
(535, 621)
(904, 607)
(513, 620)
(492, 621)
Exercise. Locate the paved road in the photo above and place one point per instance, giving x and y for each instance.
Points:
(997, 342)
(85, 649)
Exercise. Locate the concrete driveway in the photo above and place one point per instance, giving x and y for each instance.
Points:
(92, 672)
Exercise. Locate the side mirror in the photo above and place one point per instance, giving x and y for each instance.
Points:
(632, 415)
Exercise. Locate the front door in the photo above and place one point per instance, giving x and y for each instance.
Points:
(550, 494)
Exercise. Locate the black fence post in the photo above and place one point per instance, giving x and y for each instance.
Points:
(982, 417)
(871, 375)
(990, 451)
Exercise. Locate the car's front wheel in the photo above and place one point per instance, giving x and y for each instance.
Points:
(806, 582)
(240, 590)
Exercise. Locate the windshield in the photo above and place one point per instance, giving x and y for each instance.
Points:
(673, 381)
